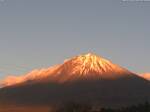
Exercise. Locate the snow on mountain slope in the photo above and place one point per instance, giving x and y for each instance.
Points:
(90, 64)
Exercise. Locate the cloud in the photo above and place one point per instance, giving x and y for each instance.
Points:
(11, 80)
(35, 74)
(146, 76)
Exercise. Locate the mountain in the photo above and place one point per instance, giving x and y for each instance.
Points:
(146, 76)
(85, 78)
(82, 66)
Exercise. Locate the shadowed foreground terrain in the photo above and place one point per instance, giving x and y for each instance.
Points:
(120, 92)
(24, 109)
(76, 107)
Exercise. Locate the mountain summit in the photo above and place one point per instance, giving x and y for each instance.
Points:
(92, 66)
(87, 66)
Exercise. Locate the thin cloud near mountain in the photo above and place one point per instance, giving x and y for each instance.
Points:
(146, 76)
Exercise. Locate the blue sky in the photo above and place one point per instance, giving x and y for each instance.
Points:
(42, 33)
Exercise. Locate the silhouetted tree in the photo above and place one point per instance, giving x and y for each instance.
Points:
(75, 107)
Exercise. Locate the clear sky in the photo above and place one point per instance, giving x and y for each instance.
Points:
(42, 33)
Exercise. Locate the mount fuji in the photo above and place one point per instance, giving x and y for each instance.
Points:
(86, 67)
(85, 78)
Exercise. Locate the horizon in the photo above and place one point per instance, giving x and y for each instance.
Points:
(39, 34)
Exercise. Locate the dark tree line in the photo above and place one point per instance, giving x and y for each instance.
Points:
(75, 107)
(145, 107)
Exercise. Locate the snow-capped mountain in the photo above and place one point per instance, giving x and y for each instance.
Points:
(79, 67)
(85, 78)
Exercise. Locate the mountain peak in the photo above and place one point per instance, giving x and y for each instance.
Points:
(89, 55)
(90, 64)
(90, 58)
